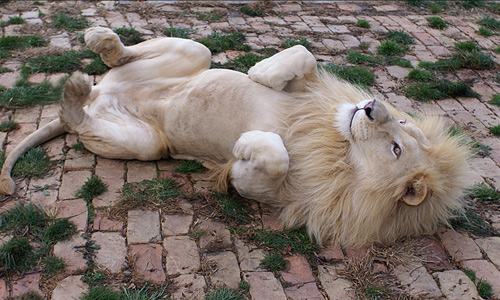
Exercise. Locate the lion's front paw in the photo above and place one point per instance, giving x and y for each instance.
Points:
(78, 85)
(104, 41)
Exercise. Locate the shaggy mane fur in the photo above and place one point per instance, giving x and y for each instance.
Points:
(323, 191)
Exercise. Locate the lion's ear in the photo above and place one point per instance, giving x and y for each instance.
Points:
(416, 192)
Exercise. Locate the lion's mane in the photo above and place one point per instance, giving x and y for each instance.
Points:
(323, 192)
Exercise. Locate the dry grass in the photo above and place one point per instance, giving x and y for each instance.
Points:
(402, 252)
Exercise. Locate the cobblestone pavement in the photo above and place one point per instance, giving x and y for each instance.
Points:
(192, 247)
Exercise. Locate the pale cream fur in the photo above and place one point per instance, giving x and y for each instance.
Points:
(282, 135)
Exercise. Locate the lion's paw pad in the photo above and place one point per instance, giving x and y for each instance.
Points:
(78, 84)
(102, 40)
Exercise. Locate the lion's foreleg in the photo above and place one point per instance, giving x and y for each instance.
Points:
(76, 93)
(289, 70)
(261, 166)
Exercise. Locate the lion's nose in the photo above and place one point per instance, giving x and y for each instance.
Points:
(376, 111)
(368, 109)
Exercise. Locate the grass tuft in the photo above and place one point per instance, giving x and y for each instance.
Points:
(233, 207)
(129, 36)
(490, 23)
(211, 17)
(495, 100)
(16, 20)
(376, 292)
(59, 230)
(29, 296)
(101, 293)
(483, 287)
(183, 33)
(436, 22)
(288, 241)
(472, 222)
(251, 11)
(156, 190)
(92, 188)
(53, 264)
(42, 93)
(468, 4)
(288, 43)
(218, 42)
(401, 37)
(21, 42)
(484, 31)
(363, 23)
(96, 67)
(79, 147)
(224, 293)
(391, 48)
(69, 23)
(22, 216)
(244, 62)
(495, 130)
(274, 263)
(438, 90)
(8, 126)
(356, 75)
(467, 46)
(34, 163)
(483, 193)
(190, 166)
(16, 255)
(420, 75)
(63, 63)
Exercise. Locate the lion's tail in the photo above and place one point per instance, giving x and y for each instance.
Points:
(47, 132)
(222, 176)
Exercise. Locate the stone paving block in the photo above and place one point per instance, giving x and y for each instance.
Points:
(75, 210)
(60, 41)
(176, 224)
(486, 271)
(112, 250)
(112, 195)
(116, 19)
(103, 223)
(227, 271)
(331, 252)
(216, 236)
(4, 291)
(491, 245)
(298, 270)
(72, 254)
(78, 160)
(459, 246)
(308, 291)
(54, 148)
(16, 136)
(264, 286)
(138, 171)
(27, 115)
(434, 254)
(335, 286)
(70, 288)
(148, 262)
(143, 227)
(189, 286)
(419, 282)
(28, 283)
(182, 255)
(72, 182)
(456, 285)
(249, 258)
(398, 72)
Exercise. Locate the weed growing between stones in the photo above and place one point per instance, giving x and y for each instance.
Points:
(34, 163)
(218, 42)
(25, 94)
(495, 130)
(436, 23)
(190, 166)
(96, 67)
(33, 233)
(440, 89)
(274, 263)
(490, 23)
(29, 296)
(21, 42)
(478, 148)
(244, 62)
(400, 37)
(129, 36)
(484, 31)
(8, 126)
(211, 17)
(363, 23)
(483, 287)
(468, 56)
(106, 293)
(69, 23)
(63, 63)
(288, 241)
(183, 33)
(232, 207)
(420, 75)
(495, 100)
(16, 20)
(251, 11)
(356, 75)
(52, 265)
(359, 58)
(468, 4)
(472, 222)
(224, 293)
(79, 147)
(92, 188)
(484, 193)
(391, 48)
(288, 43)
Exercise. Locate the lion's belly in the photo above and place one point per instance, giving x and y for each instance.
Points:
(209, 113)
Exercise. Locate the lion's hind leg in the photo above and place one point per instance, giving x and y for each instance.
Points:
(107, 43)
(261, 166)
(288, 70)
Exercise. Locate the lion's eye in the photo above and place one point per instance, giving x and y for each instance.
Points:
(402, 122)
(396, 149)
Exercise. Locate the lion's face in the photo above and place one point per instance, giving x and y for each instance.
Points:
(385, 149)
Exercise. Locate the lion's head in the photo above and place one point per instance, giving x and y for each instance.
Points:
(360, 171)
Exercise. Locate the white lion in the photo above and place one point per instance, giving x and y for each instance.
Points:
(349, 168)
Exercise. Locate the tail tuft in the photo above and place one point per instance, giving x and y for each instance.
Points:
(7, 185)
